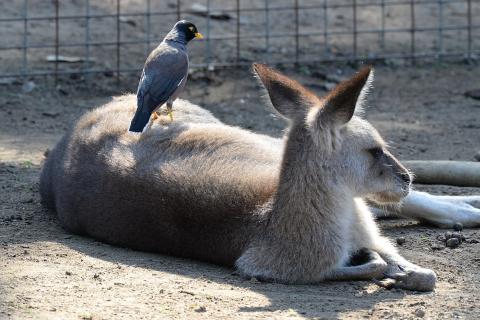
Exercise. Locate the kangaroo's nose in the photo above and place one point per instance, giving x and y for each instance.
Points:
(405, 177)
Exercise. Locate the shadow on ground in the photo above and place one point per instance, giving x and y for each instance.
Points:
(40, 227)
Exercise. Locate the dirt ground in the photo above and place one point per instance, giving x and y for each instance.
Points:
(337, 22)
(46, 273)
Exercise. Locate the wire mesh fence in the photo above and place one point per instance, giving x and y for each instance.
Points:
(114, 36)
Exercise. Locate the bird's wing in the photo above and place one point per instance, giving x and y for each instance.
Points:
(160, 79)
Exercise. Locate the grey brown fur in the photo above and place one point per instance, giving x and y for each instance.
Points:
(282, 210)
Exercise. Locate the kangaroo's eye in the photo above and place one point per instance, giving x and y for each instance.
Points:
(375, 152)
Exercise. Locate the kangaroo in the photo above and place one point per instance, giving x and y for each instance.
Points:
(286, 210)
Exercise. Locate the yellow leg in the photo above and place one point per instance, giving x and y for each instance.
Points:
(170, 113)
(155, 116)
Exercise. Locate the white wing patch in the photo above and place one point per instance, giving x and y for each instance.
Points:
(181, 80)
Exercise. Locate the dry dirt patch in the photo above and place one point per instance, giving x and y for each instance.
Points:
(47, 273)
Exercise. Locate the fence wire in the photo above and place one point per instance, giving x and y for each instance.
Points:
(113, 37)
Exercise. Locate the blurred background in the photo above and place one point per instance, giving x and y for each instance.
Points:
(113, 37)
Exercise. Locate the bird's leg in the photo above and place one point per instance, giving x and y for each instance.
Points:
(169, 110)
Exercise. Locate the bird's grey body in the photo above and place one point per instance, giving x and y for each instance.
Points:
(163, 77)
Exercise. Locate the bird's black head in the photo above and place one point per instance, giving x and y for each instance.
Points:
(188, 29)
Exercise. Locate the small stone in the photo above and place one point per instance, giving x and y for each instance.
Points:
(329, 86)
(28, 86)
(453, 243)
(68, 273)
(401, 241)
(474, 94)
(437, 246)
(108, 73)
(187, 292)
(50, 114)
(75, 76)
(62, 90)
(473, 241)
(420, 313)
(477, 156)
(201, 309)
(254, 280)
(458, 236)
(128, 21)
(458, 226)
(448, 235)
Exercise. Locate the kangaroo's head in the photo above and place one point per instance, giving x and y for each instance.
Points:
(328, 138)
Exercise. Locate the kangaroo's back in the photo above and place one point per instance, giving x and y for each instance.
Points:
(162, 190)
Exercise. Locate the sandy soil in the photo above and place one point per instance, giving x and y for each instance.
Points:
(46, 273)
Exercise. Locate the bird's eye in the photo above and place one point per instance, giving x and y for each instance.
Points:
(190, 28)
(375, 152)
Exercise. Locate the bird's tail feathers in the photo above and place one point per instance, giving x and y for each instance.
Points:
(139, 121)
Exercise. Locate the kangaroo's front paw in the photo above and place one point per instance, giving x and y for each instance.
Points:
(376, 268)
(412, 277)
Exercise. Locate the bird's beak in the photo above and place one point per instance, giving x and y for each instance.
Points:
(198, 35)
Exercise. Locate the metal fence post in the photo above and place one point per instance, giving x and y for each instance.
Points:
(267, 30)
(118, 41)
(86, 65)
(354, 8)
(440, 29)
(325, 28)
(469, 29)
(56, 39)
(297, 34)
(147, 28)
(25, 40)
(237, 56)
(412, 30)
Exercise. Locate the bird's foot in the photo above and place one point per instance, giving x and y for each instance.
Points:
(155, 115)
(170, 114)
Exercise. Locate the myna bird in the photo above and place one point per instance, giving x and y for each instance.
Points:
(164, 74)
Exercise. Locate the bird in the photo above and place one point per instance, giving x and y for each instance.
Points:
(164, 74)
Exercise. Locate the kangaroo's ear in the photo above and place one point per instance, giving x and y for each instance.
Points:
(339, 105)
(288, 96)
